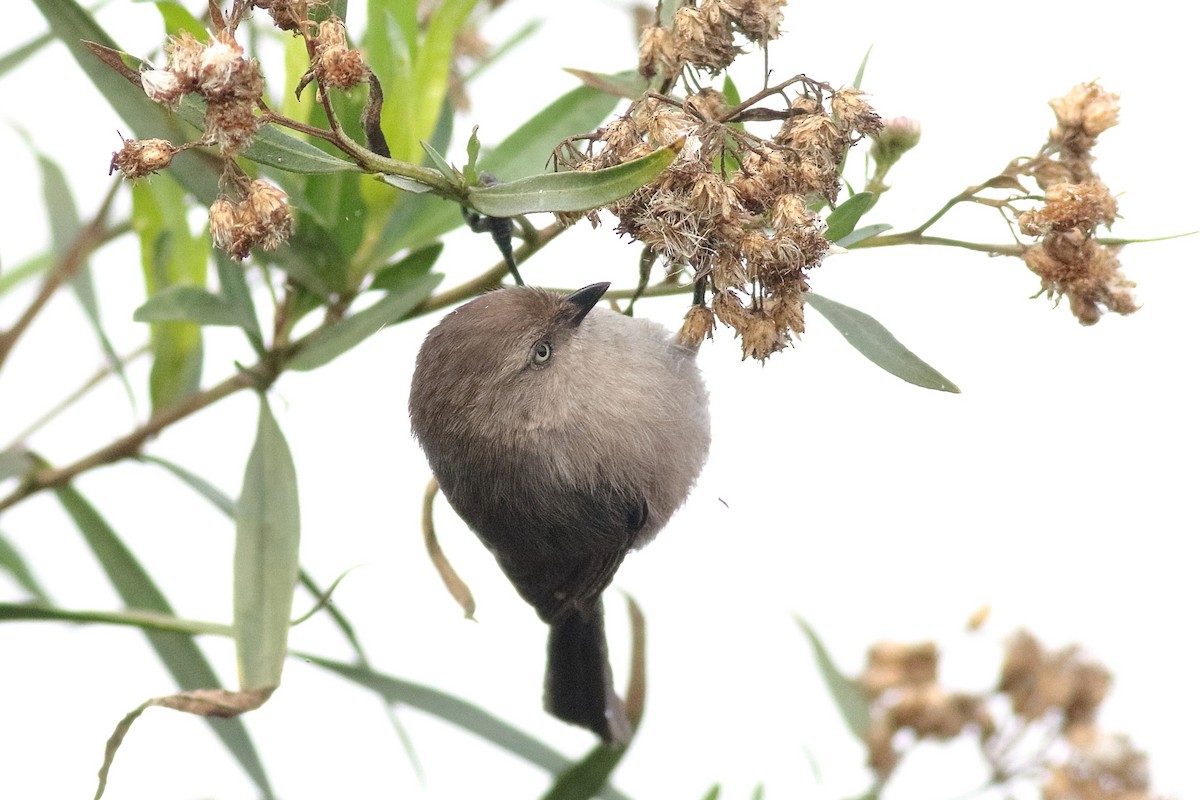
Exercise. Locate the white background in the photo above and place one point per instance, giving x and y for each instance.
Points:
(1059, 487)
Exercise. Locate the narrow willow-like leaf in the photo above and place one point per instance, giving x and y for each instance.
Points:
(867, 336)
(862, 68)
(19, 55)
(401, 276)
(236, 293)
(457, 712)
(12, 563)
(862, 234)
(223, 502)
(847, 694)
(525, 151)
(176, 18)
(441, 164)
(266, 556)
(328, 343)
(189, 303)
(571, 191)
(146, 620)
(629, 85)
(179, 652)
(431, 70)
(218, 703)
(172, 257)
(65, 227)
(471, 170)
(31, 268)
(841, 220)
(14, 463)
(228, 507)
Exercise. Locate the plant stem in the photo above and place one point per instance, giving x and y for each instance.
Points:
(73, 397)
(88, 239)
(131, 444)
(916, 237)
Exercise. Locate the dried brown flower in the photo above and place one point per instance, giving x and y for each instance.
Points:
(137, 159)
(657, 52)
(335, 64)
(698, 325)
(262, 218)
(1071, 205)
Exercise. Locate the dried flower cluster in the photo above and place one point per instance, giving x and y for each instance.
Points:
(702, 35)
(734, 208)
(261, 218)
(901, 682)
(334, 64)
(1048, 698)
(218, 71)
(231, 85)
(1067, 257)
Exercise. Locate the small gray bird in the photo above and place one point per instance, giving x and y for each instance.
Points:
(564, 435)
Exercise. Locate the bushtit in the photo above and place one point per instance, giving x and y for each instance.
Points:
(564, 435)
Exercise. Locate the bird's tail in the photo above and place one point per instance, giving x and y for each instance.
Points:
(579, 687)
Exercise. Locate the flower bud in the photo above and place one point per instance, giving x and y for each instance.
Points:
(897, 137)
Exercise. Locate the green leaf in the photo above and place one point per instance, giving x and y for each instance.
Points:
(326, 344)
(15, 463)
(570, 191)
(190, 303)
(179, 652)
(862, 234)
(441, 164)
(457, 712)
(19, 55)
(841, 220)
(236, 293)
(470, 171)
(212, 494)
(431, 70)
(585, 779)
(146, 620)
(867, 336)
(30, 268)
(176, 18)
(525, 151)
(846, 693)
(862, 68)
(65, 228)
(172, 258)
(12, 563)
(266, 558)
(401, 276)
(629, 85)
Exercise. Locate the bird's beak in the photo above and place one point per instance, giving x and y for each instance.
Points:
(584, 300)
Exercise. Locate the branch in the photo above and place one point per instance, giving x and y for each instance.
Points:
(130, 445)
(94, 234)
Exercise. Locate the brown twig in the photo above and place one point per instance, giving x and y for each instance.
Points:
(131, 444)
(88, 239)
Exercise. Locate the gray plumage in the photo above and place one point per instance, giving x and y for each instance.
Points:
(564, 436)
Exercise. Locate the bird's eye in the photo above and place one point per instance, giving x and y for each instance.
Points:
(541, 352)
